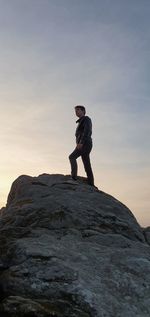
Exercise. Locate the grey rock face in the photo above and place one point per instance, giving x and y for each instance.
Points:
(67, 249)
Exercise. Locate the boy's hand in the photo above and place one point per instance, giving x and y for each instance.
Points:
(79, 146)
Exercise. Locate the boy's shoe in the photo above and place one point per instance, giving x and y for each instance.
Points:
(72, 180)
(93, 186)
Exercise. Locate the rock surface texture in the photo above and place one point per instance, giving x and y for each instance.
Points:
(69, 250)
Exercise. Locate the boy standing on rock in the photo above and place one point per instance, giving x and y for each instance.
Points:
(84, 145)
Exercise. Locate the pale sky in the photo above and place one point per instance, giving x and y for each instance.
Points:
(55, 54)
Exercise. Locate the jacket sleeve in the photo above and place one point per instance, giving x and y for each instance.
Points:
(87, 131)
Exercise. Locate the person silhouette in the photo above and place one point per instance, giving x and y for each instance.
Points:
(83, 145)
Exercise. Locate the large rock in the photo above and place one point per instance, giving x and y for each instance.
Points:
(70, 250)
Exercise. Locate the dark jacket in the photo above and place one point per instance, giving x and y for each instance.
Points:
(84, 130)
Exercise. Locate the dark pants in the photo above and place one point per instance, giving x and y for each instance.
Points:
(85, 155)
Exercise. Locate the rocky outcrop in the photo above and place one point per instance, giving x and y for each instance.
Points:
(70, 250)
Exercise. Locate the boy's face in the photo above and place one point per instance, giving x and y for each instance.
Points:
(79, 112)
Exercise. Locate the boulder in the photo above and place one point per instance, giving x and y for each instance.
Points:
(69, 249)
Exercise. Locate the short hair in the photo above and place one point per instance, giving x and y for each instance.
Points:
(81, 107)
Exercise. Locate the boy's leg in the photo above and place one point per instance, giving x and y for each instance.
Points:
(74, 167)
(88, 168)
(87, 164)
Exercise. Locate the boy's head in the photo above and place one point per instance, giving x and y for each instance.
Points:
(80, 111)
